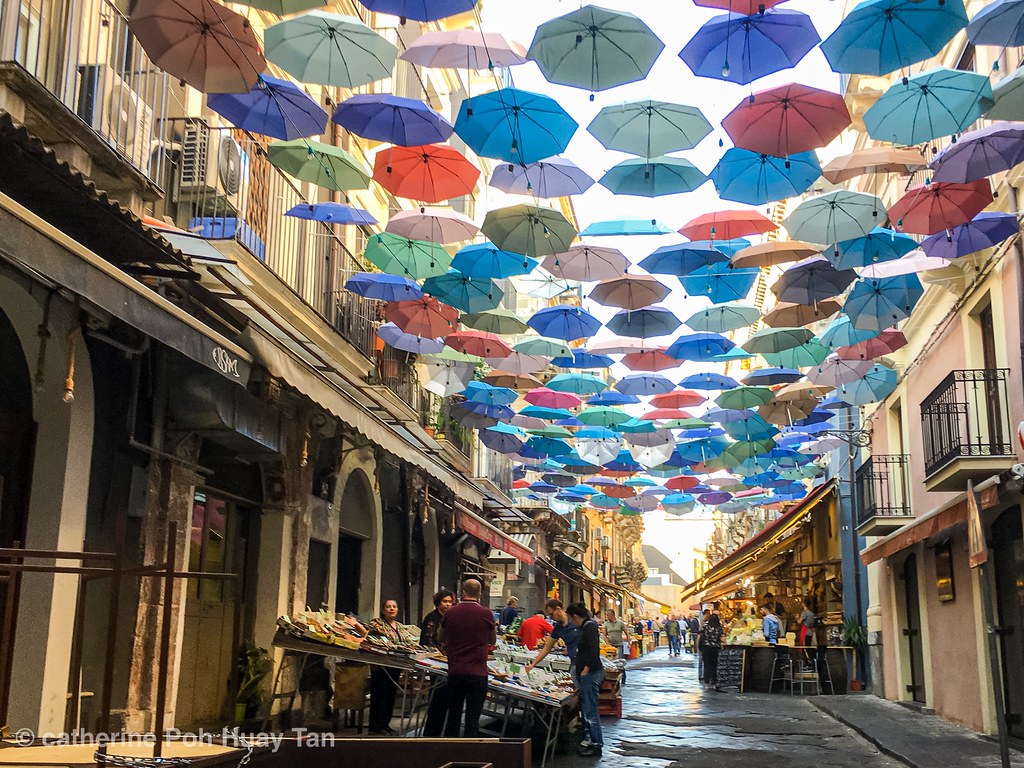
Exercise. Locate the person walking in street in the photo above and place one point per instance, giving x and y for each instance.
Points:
(672, 631)
(656, 631)
(533, 630)
(615, 633)
(384, 681)
(590, 674)
(693, 625)
(467, 634)
(702, 622)
(437, 709)
(510, 612)
(711, 645)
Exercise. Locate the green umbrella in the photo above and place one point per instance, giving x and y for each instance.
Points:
(653, 177)
(649, 128)
(329, 49)
(453, 356)
(720, 318)
(811, 353)
(835, 216)
(322, 164)
(691, 423)
(577, 383)
(284, 7)
(529, 229)
(602, 416)
(543, 347)
(500, 321)
(401, 256)
(551, 430)
(742, 450)
(777, 339)
(1008, 98)
(744, 397)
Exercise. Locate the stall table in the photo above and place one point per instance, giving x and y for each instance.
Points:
(757, 670)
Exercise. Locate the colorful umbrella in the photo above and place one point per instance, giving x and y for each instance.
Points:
(629, 291)
(877, 303)
(564, 322)
(744, 397)
(880, 36)
(708, 381)
(382, 286)
(842, 333)
(329, 49)
(653, 177)
(550, 398)
(773, 253)
(595, 48)
(611, 397)
(885, 343)
(392, 119)
(931, 208)
(409, 342)
(835, 216)
(423, 317)
(812, 280)
(741, 49)
(416, 259)
(787, 120)
(698, 347)
(720, 282)
(873, 160)
(680, 398)
(721, 318)
(503, 438)
(477, 343)
(431, 173)
(983, 231)
(727, 225)
(436, 225)
(514, 125)
(745, 7)
(486, 260)
(544, 347)
(650, 359)
(469, 294)
(481, 392)
(980, 153)
(500, 321)
(420, 10)
(786, 314)
(644, 323)
(331, 213)
(529, 229)
(554, 177)
(322, 164)
(939, 102)
(1008, 98)
(681, 259)
(649, 128)
(876, 246)
(577, 383)
(272, 107)
(210, 47)
(586, 262)
(463, 49)
(742, 176)
(625, 228)
(877, 384)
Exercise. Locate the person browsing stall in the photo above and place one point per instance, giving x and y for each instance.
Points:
(510, 612)
(589, 674)
(615, 633)
(384, 681)
(467, 634)
(437, 709)
(533, 630)
(562, 629)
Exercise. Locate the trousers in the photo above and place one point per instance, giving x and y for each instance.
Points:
(465, 692)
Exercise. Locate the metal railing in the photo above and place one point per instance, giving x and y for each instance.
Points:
(83, 53)
(882, 487)
(967, 415)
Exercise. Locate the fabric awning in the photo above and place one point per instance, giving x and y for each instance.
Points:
(642, 596)
(476, 526)
(526, 540)
(607, 585)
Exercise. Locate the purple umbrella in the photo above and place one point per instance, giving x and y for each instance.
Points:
(811, 281)
(740, 49)
(644, 384)
(420, 10)
(392, 119)
(272, 107)
(331, 213)
(714, 497)
(409, 342)
(980, 153)
(554, 177)
(983, 231)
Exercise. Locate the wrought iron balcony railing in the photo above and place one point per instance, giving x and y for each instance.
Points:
(882, 487)
(966, 416)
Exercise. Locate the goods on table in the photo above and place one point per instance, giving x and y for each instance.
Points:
(746, 630)
(346, 632)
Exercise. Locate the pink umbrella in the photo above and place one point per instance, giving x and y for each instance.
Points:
(437, 225)
(527, 422)
(786, 120)
(678, 398)
(518, 363)
(478, 343)
(618, 346)
(915, 261)
(665, 414)
(630, 291)
(549, 398)
(211, 48)
(464, 49)
(586, 262)
(650, 360)
(885, 343)
(836, 371)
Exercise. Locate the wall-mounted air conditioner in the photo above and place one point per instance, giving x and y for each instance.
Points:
(212, 166)
(116, 112)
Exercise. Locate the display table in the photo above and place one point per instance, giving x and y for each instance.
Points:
(757, 672)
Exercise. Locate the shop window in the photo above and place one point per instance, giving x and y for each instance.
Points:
(944, 582)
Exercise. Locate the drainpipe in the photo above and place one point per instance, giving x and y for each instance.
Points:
(1019, 250)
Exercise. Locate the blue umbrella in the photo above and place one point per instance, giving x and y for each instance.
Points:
(729, 247)
(880, 36)
(748, 177)
(564, 322)
(492, 410)
(653, 177)
(878, 245)
(878, 303)
(550, 178)
(699, 347)
(392, 119)
(876, 385)
(331, 213)
(740, 49)
(481, 392)
(708, 381)
(514, 125)
(624, 462)
(469, 294)
(729, 415)
(583, 359)
(643, 323)
(702, 449)
(841, 332)
(548, 446)
(635, 426)
(272, 107)
(603, 501)
(612, 397)
(766, 377)
(487, 260)
(644, 384)
(409, 342)
(681, 259)
(751, 429)
(540, 486)
(548, 414)
(626, 228)
(1000, 23)
(720, 282)
(384, 287)
(983, 231)
(420, 10)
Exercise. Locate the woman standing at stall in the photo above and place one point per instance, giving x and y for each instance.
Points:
(384, 681)
(710, 645)
(437, 709)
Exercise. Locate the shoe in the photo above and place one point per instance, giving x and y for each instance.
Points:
(378, 733)
(591, 750)
(389, 730)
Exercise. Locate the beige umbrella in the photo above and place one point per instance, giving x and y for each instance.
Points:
(874, 160)
(437, 225)
(785, 412)
(464, 49)
(511, 380)
(789, 315)
(586, 262)
(800, 390)
(773, 253)
(630, 291)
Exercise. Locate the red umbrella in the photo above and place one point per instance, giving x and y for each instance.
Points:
(742, 7)
(618, 491)
(431, 173)
(681, 482)
(786, 120)
(549, 398)
(931, 208)
(425, 316)
(478, 343)
(650, 360)
(666, 413)
(727, 225)
(679, 398)
(887, 342)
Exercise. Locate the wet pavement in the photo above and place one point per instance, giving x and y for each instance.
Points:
(670, 720)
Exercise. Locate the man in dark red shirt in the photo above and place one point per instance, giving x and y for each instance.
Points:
(533, 630)
(467, 634)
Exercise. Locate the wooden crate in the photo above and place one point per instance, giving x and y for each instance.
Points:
(610, 707)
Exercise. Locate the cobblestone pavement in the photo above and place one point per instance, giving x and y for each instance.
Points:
(669, 720)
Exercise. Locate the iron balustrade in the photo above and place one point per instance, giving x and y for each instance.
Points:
(883, 489)
(966, 416)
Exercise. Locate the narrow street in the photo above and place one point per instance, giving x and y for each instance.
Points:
(669, 720)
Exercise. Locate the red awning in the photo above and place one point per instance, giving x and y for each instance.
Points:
(476, 526)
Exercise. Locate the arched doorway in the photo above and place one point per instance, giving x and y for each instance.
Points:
(1008, 557)
(17, 451)
(356, 558)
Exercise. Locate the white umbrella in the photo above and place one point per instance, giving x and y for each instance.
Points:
(915, 261)
(518, 363)
(543, 284)
(587, 262)
(464, 49)
(436, 225)
(445, 377)
(620, 346)
(652, 455)
(598, 450)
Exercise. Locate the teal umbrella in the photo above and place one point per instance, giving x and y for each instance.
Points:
(802, 356)
(653, 177)
(649, 128)
(775, 339)
(721, 318)
(543, 347)
(595, 48)
(412, 258)
(529, 229)
(602, 416)
(1008, 98)
(835, 216)
(465, 293)
(875, 385)
(329, 49)
(577, 383)
(939, 102)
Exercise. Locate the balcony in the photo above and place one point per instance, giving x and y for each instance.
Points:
(883, 497)
(966, 429)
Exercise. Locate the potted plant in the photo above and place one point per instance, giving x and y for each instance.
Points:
(855, 635)
(254, 664)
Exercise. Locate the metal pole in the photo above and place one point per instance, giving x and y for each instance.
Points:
(997, 678)
(165, 639)
(112, 614)
(7, 639)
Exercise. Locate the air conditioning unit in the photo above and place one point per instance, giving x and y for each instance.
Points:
(606, 541)
(212, 167)
(116, 112)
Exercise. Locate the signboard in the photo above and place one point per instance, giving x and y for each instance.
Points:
(977, 547)
(488, 534)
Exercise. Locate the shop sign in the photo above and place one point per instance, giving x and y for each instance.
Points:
(976, 545)
(488, 534)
